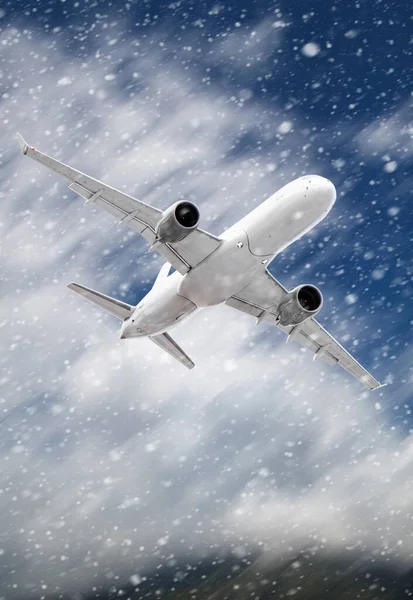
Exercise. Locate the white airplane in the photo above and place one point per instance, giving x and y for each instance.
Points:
(210, 270)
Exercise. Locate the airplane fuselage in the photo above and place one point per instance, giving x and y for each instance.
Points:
(211, 270)
(247, 247)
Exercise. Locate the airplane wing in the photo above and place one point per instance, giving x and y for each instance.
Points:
(137, 215)
(261, 299)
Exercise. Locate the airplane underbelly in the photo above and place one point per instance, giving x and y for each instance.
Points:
(223, 274)
(281, 227)
(287, 215)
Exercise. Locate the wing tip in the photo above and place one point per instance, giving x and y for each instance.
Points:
(22, 143)
(379, 385)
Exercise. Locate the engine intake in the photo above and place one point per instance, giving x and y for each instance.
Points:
(177, 222)
(300, 304)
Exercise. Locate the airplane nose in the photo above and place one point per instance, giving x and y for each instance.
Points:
(320, 190)
(330, 192)
(326, 192)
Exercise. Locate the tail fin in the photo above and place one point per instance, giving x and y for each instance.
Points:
(162, 275)
(118, 309)
(165, 342)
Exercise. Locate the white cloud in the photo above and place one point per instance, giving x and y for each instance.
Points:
(115, 446)
(250, 48)
(392, 134)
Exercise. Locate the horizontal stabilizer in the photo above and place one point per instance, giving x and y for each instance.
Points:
(165, 342)
(118, 309)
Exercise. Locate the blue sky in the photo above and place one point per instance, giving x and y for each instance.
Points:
(112, 456)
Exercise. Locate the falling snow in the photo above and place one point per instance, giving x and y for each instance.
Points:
(310, 49)
(119, 469)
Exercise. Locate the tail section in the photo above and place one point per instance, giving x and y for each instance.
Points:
(118, 309)
(162, 275)
(165, 342)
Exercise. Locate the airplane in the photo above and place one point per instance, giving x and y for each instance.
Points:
(210, 270)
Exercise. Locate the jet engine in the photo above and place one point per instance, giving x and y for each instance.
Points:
(177, 222)
(299, 304)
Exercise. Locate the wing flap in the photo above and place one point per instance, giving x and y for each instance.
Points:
(168, 344)
(261, 298)
(137, 215)
(319, 336)
(86, 186)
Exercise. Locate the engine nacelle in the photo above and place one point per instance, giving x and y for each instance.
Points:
(177, 222)
(299, 304)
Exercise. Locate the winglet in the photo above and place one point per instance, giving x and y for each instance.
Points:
(22, 143)
(381, 385)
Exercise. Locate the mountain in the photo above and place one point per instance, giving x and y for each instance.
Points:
(306, 576)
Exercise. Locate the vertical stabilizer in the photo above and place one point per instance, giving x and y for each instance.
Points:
(162, 275)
